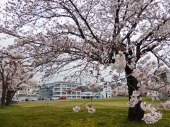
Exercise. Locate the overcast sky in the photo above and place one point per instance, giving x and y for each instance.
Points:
(9, 41)
(4, 42)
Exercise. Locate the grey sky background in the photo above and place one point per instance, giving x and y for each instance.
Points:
(9, 41)
(4, 42)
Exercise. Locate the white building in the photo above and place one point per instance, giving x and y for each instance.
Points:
(90, 94)
(107, 91)
(59, 87)
(164, 77)
(57, 90)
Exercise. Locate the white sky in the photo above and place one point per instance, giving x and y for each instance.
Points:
(9, 41)
(4, 42)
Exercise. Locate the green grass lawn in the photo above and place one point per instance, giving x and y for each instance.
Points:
(109, 113)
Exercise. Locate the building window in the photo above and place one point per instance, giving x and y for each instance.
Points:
(57, 85)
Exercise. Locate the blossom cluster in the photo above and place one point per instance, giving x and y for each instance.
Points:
(134, 99)
(89, 108)
(120, 62)
(92, 85)
(153, 116)
(120, 91)
(76, 109)
(143, 69)
(163, 105)
(167, 104)
(154, 95)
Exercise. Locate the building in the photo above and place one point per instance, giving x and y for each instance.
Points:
(21, 95)
(107, 91)
(164, 77)
(46, 91)
(24, 97)
(56, 89)
(90, 93)
(30, 93)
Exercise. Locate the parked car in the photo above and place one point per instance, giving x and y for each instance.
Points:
(62, 98)
(30, 99)
(54, 98)
(46, 98)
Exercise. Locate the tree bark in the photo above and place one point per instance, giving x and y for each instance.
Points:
(9, 97)
(3, 98)
(135, 113)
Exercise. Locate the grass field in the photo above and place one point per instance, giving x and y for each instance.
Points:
(109, 113)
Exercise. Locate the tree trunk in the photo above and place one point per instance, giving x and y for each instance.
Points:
(9, 97)
(135, 113)
(3, 98)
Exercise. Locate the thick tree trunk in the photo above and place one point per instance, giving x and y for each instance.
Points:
(9, 97)
(3, 98)
(135, 113)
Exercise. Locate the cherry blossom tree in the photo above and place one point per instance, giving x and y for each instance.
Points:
(16, 85)
(129, 37)
(14, 76)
